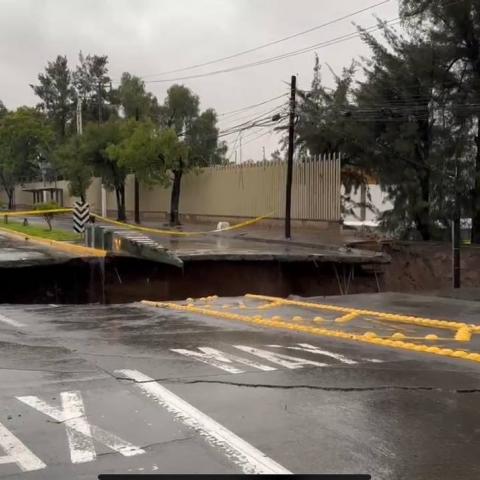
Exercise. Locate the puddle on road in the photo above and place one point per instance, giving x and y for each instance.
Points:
(126, 279)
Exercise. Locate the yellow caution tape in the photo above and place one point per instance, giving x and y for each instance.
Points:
(35, 212)
(176, 233)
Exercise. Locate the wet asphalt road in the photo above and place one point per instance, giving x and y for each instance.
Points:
(22, 254)
(353, 408)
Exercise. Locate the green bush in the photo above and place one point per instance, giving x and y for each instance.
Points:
(47, 216)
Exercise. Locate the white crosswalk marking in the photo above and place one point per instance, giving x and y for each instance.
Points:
(279, 358)
(219, 359)
(251, 460)
(17, 452)
(78, 429)
(306, 347)
(80, 432)
(9, 321)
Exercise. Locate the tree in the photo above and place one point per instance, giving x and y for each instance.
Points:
(91, 82)
(404, 124)
(276, 156)
(400, 90)
(455, 28)
(3, 110)
(199, 133)
(142, 153)
(149, 151)
(56, 91)
(72, 161)
(324, 126)
(26, 139)
(47, 216)
(137, 103)
(94, 145)
(202, 141)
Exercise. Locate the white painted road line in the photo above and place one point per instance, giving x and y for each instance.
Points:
(279, 358)
(17, 452)
(246, 456)
(80, 432)
(306, 347)
(222, 360)
(9, 321)
(81, 444)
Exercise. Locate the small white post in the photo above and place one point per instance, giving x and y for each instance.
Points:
(104, 201)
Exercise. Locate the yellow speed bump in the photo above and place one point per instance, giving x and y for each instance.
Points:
(369, 337)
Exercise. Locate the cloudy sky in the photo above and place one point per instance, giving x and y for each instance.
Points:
(150, 37)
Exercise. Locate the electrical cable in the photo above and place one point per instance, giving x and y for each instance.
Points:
(268, 44)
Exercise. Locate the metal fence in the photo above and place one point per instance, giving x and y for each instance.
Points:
(246, 190)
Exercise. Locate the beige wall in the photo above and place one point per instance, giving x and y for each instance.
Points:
(247, 190)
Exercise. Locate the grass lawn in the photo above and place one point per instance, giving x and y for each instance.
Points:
(43, 232)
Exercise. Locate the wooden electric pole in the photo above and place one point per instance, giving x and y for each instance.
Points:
(291, 149)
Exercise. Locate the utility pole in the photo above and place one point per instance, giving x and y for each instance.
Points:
(456, 233)
(240, 140)
(99, 98)
(291, 148)
(79, 116)
(136, 186)
(79, 120)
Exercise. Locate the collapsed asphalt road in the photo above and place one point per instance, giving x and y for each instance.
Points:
(116, 389)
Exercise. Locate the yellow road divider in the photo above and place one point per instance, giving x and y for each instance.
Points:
(392, 317)
(347, 318)
(175, 233)
(463, 334)
(79, 250)
(368, 337)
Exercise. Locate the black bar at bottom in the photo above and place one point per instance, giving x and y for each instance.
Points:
(232, 477)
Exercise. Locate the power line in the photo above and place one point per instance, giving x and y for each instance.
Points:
(252, 139)
(260, 136)
(265, 116)
(248, 115)
(240, 130)
(327, 43)
(269, 44)
(252, 106)
(234, 146)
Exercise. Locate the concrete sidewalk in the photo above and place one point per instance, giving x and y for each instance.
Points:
(253, 242)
